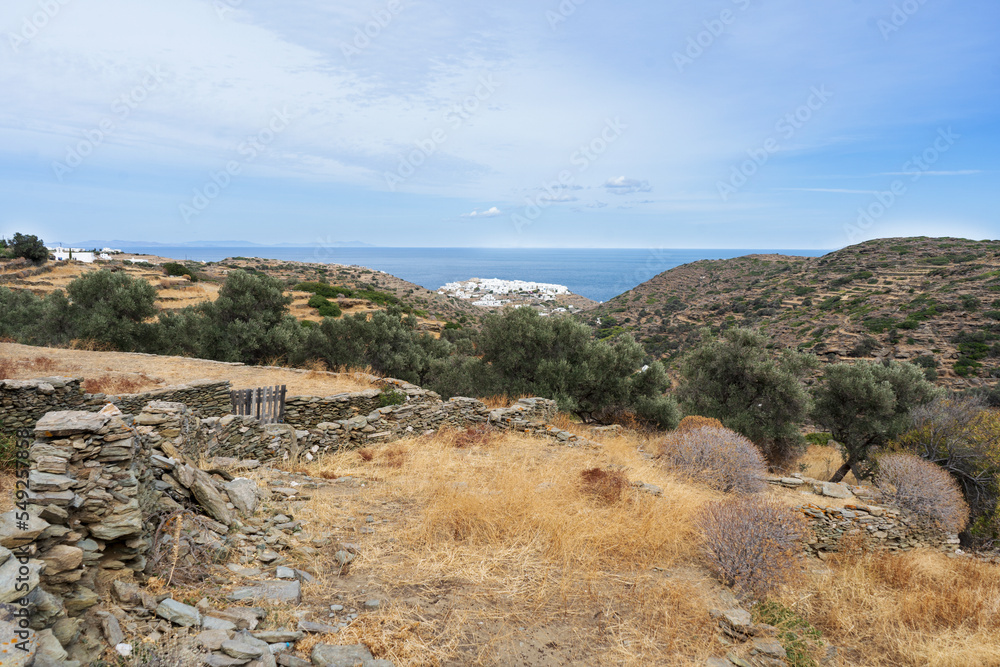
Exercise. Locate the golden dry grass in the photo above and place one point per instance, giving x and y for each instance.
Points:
(142, 372)
(509, 550)
(524, 539)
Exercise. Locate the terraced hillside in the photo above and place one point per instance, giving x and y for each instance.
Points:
(932, 301)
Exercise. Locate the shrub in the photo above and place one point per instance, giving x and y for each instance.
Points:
(724, 459)
(29, 247)
(391, 397)
(923, 488)
(606, 486)
(752, 542)
(693, 422)
(178, 269)
(738, 380)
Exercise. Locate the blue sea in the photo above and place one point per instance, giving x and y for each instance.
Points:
(595, 273)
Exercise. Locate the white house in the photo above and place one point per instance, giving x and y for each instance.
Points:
(63, 254)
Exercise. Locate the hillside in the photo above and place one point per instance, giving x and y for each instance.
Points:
(932, 301)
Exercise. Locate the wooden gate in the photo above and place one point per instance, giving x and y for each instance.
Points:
(267, 404)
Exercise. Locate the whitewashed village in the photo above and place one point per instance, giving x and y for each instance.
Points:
(548, 298)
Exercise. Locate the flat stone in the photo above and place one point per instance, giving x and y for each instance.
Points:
(126, 592)
(45, 481)
(216, 623)
(769, 647)
(203, 488)
(834, 490)
(81, 600)
(329, 655)
(285, 573)
(212, 639)
(735, 618)
(49, 651)
(318, 628)
(219, 660)
(67, 422)
(16, 531)
(272, 591)
(13, 582)
(278, 636)
(125, 519)
(112, 630)
(179, 613)
(62, 557)
(241, 650)
(291, 660)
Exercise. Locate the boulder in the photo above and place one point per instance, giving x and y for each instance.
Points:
(243, 494)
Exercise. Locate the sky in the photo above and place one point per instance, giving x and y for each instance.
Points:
(542, 123)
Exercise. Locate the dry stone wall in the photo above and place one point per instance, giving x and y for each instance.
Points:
(23, 402)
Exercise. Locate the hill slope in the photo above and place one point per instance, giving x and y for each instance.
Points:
(932, 301)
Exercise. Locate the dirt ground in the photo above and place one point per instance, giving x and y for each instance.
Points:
(126, 372)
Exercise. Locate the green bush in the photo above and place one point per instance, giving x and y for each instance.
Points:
(177, 269)
(391, 397)
(867, 404)
(28, 246)
(739, 381)
(797, 636)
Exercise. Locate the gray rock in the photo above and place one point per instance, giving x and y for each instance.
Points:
(179, 613)
(834, 490)
(243, 494)
(769, 646)
(373, 604)
(215, 623)
(49, 649)
(42, 482)
(62, 557)
(318, 628)
(16, 531)
(278, 636)
(290, 660)
(112, 630)
(328, 655)
(212, 639)
(241, 650)
(66, 422)
(205, 492)
(285, 573)
(11, 578)
(718, 662)
(125, 519)
(272, 591)
(218, 660)
(15, 656)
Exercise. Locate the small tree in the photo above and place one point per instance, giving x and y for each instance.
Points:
(29, 247)
(923, 488)
(865, 405)
(739, 381)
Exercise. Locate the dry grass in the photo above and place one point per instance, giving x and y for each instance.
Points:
(820, 462)
(155, 372)
(916, 608)
(117, 384)
(525, 540)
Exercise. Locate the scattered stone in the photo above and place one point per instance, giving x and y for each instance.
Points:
(241, 650)
(244, 495)
(212, 639)
(278, 636)
(318, 628)
(272, 591)
(179, 613)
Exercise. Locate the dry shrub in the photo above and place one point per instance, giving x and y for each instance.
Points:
(724, 459)
(44, 364)
(8, 368)
(922, 488)
(395, 456)
(752, 542)
(607, 486)
(693, 422)
(366, 454)
(91, 345)
(475, 436)
(907, 608)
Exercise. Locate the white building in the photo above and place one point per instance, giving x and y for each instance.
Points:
(63, 254)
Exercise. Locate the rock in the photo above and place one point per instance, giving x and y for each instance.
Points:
(42, 482)
(67, 630)
(216, 623)
(285, 573)
(243, 494)
(718, 662)
(217, 660)
(205, 492)
(318, 628)
(328, 655)
(15, 656)
(211, 639)
(734, 618)
(179, 613)
(49, 649)
(13, 581)
(67, 422)
(373, 604)
(112, 630)
(289, 660)
(274, 591)
(834, 490)
(278, 636)
(268, 556)
(126, 592)
(62, 557)
(16, 531)
(124, 520)
(769, 647)
(241, 650)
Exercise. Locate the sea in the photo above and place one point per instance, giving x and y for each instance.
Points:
(595, 273)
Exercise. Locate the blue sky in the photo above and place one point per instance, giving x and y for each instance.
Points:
(581, 123)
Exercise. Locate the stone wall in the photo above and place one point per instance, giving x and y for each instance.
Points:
(882, 527)
(23, 402)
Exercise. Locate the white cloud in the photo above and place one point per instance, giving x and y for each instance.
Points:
(626, 186)
(491, 212)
